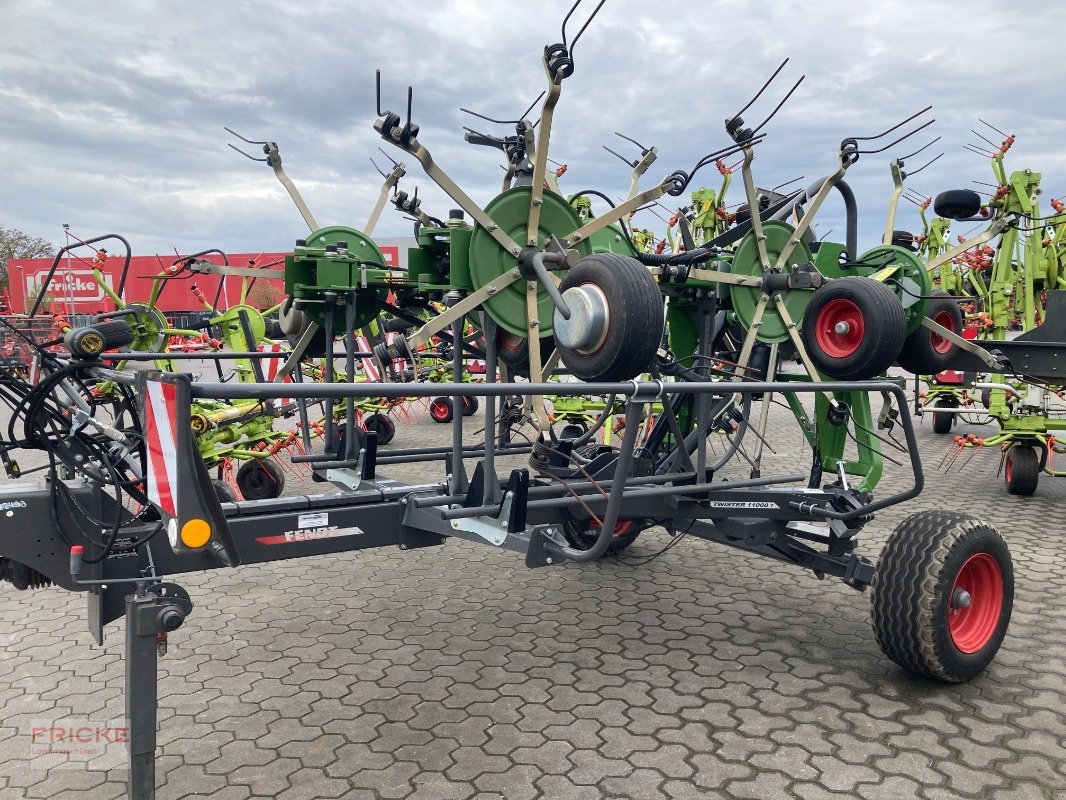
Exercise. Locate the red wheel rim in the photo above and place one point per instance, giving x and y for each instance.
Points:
(980, 582)
(439, 410)
(945, 319)
(839, 328)
(1007, 469)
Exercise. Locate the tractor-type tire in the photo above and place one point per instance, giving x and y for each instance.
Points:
(854, 328)
(1021, 469)
(223, 491)
(440, 409)
(957, 204)
(513, 350)
(470, 405)
(625, 533)
(925, 352)
(942, 595)
(633, 328)
(260, 479)
(942, 422)
(382, 425)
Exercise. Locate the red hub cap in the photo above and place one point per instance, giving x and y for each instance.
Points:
(976, 603)
(944, 319)
(839, 328)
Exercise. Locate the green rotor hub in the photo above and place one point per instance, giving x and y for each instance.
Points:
(306, 282)
(746, 298)
(911, 281)
(488, 261)
(149, 327)
(233, 331)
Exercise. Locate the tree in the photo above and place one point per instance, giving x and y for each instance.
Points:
(16, 244)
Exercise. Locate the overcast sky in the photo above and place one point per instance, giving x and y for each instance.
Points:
(111, 113)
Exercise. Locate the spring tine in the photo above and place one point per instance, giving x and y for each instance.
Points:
(377, 82)
(248, 141)
(786, 183)
(246, 155)
(382, 174)
(632, 164)
(526, 112)
(978, 150)
(993, 127)
(920, 149)
(984, 139)
(897, 141)
(758, 94)
(643, 150)
(566, 19)
(592, 16)
(926, 164)
(893, 128)
(784, 100)
(390, 158)
(410, 101)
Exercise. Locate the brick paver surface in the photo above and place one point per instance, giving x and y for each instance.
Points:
(455, 672)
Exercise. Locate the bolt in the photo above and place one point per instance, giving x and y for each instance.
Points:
(533, 323)
(403, 547)
(842, 328)
(494, 227)
(547, 561)
(455, 523)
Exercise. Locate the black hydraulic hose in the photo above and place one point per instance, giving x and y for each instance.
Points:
(851, 240)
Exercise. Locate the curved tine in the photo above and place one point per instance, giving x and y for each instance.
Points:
(920, 149)
(410, 101)
(758, 94)
(984, 139)
(926, 164)
(893, 128)
(377, 84)
(556, 163)
(897, 141)
(978, 150)
(632, 164)
(566, 19)
(910, 199)
(526, 112)
(592, 16)
(482, 116)
(380, 172)
(390, 158)
(985, 183)
(778, 107)
(786, 183)
(246, 155)
(728, 151)
(643, 150)
(249, 141)
(912, 194)
(993, 127)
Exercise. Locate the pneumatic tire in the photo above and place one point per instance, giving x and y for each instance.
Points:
(260, 479)
(942, 595)
(854, 328)
(957, 204)
(382, 425)
(1021, 470)
(634, 324)
(925, 352)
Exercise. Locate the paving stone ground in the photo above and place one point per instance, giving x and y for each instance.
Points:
(455, 672)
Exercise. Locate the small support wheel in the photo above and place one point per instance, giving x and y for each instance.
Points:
(260, 479)
(573, 430)
(581, 537)
(223, 491)
(470, 405)
(944, 421)
(854, 328)
(926, 352)
(616, 322)
(382, 425)
(942, 595)
(440, 409)
(1021, 469)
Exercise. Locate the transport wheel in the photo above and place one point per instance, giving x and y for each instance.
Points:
(260, 479)
(513, 350)
(943, 422)
(382, 425)
(440, 409)
(1021, 469)
(579, 535)
(925, 352)
(223, 491)
(942, 595)
(854, 328)
(903, 239)
(957, 204)
(470, 405)
(616, 324)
